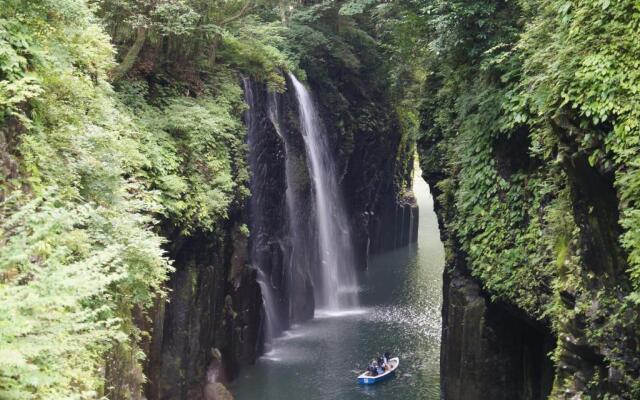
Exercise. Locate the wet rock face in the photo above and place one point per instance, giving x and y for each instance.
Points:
(209, 309)
(396, 226)
(583, 360)
(487, 352)
(280, 208)
(217, 391)
(373, 162)
(214, 323)
(268, 223)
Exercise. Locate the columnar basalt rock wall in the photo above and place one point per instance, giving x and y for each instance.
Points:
(281, 237)
(214, 323)
(487, 351)
(375, 173)
(212, 318)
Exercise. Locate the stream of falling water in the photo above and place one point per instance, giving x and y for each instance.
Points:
(338, 286)
(273, 325)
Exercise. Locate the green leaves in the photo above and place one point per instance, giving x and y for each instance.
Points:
(195, 149)
(354, 7)
(78, 250)
(564, 76)
(66, 269)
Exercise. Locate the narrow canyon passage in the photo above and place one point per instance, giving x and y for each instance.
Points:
(399, 311)
(204, 200)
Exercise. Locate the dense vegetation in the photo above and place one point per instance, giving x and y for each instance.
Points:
(529, 128)
(121, 124)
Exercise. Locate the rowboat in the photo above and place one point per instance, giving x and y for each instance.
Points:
(367, 379)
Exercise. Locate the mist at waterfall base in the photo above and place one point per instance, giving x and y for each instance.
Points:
(399, 311)
(312, 235)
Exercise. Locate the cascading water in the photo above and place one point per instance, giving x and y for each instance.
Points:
(299, 246)
(302, 252)
(338, 286)
(273, 326)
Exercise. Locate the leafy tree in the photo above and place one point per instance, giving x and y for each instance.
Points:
(78, 253)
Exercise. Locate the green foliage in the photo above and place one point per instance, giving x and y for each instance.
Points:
(255, 49)
(201, 35)
(513, 96)
(78, 252)
(67, 268)
(194, 150)
(166, 17)
(594, 80)
(354, 7)
(86, 172)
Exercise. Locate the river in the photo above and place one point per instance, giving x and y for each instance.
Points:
(399, 311)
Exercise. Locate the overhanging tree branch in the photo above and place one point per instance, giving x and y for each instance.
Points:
(132, 54)
(245, 8)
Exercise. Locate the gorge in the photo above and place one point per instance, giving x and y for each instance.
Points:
(246, 198)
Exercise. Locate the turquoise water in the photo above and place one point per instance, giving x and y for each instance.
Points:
(400, 298)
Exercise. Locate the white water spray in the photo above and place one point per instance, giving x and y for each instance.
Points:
(273, 322)
(338, 286)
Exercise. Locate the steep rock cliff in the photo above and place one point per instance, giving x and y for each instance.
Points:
(216, 305)
(489, 349)
(376, 163)
(280, 206)
(209, 329)
(494, 343)
(533, 153)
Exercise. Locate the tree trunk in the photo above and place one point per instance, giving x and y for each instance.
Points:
(212, 51)
(129, 59)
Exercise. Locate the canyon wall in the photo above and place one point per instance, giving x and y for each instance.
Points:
(215, 322)
(532, 153)
(489, 349)
(532, 309)
(375, 156)
(210, 326)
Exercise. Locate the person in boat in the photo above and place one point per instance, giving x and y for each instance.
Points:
(373, 371)
(385, 359)
(381, 363)
(380, 366)
(370, 368)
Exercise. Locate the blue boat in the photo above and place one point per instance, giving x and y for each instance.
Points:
(367, 379)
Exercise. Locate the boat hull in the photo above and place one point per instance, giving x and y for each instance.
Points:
(365, 379)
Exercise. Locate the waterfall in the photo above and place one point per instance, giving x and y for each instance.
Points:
(300, 243)
(299, 246)
(404, 209)
(338, 286)
(274, 325)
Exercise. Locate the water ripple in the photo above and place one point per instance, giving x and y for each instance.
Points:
(419, 321)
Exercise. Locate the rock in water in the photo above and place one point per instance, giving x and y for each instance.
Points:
(217, 391)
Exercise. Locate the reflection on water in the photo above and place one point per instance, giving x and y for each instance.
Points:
(400, 297)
